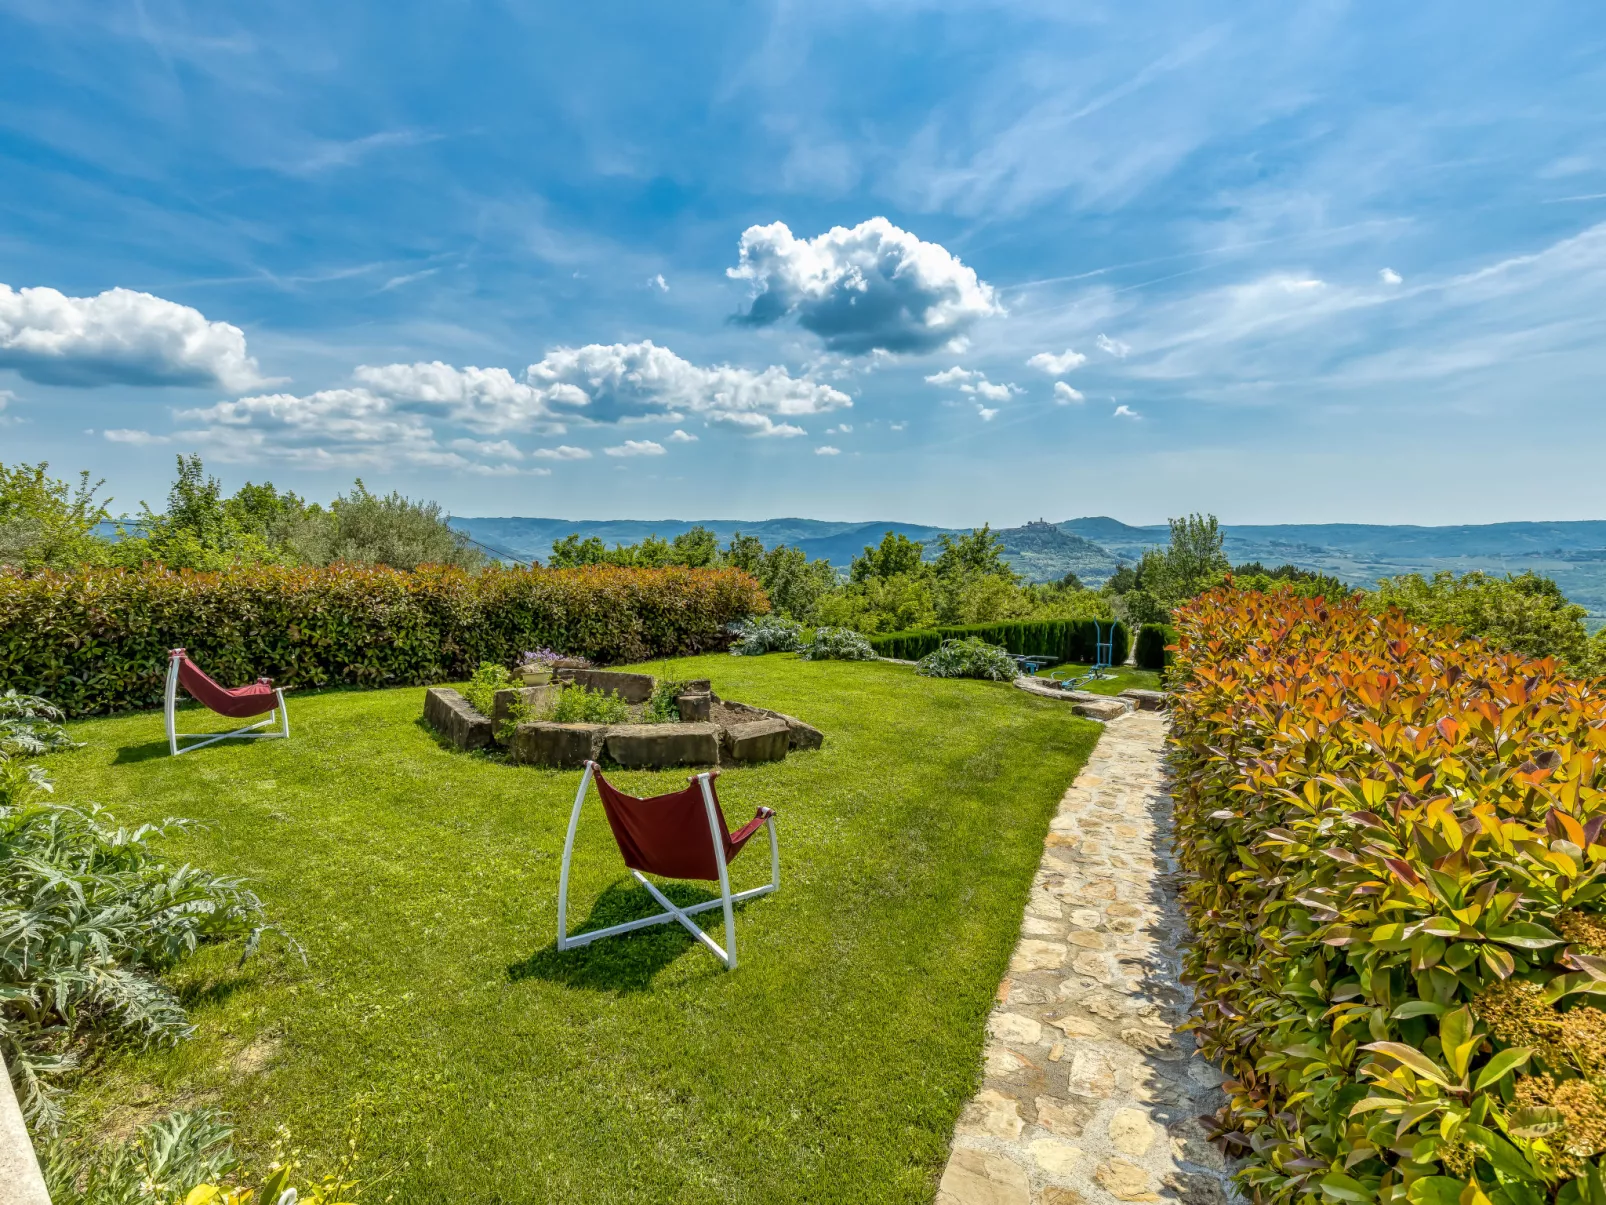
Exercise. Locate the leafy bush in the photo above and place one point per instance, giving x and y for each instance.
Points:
(1073, 640)
(97, 640)
(482, 687)
(767, 634)
(971, 657)
(30, 726)
(186, 1157)
(89, 919)
(662, 708)
(1395, 868)
(838, 644)
(577, 705)
(1149, 652)
(1525, 613)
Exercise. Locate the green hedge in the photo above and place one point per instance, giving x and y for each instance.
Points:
(97, 640)
(1150, 651)
(1073, 640)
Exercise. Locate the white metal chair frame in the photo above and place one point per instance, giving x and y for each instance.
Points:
(279, 715)
(683, 915)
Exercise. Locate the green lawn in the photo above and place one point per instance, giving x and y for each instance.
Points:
(1125, 677)
(485, 1066)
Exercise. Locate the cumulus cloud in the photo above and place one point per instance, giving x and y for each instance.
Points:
(561, 452)
(1115, 347)
(872, 288)
(129, 435)
(677, 436)
(972, 382)
(1125, 411)
(334, 427)
(987, 415)
(658, 282)
(1389, 276)
(499, 449)
(827, 450)
(1057, 366)
(604, 383)
(952, 376)
(119, 337)
(1065, 395)
(636, 447)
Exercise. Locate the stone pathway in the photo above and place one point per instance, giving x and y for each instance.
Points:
(1088, 1096)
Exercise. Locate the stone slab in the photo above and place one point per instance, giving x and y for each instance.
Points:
(696, 707)
(454, 717)
(632, 688)
(561, 746)
(649, 746)
(539, 699)
(1145, 700)
(1105, 709)
(756, 741)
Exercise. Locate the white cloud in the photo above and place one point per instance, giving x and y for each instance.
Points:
(677, 436)
(561, 452)
(1057, 366)
(636, 447)
(499, 449)
(992, 392)
(1125, 411)
(1389, 276)
(754, 424)
(604, 383)
(658, 282)
(1115, 347)
(952, 376)
(872, 288)
(127, 435)
(6, 398)
(1065, 395)
(987, 415)
(827, 450)
(119, 337)
(896, 426)
(970, 381)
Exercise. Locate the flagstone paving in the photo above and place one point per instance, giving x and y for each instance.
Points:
(1088, 1096)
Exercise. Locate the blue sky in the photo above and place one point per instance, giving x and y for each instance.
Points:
(1280, 262)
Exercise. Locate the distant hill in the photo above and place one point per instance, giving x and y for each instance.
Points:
(1574, 553)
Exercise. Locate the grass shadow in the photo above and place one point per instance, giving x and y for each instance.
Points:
(630, 961)
(148, 751)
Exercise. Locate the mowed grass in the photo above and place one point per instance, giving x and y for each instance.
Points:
(1122, 677)
(487, 1067)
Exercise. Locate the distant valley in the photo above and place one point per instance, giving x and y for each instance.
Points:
(1574, 553)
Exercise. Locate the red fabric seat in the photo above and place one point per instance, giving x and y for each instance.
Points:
(237, 703)
(667, 835)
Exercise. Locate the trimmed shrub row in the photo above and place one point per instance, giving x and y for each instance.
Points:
(1149, 652)
(97, 640)
(1072, 640)
(1394, 869)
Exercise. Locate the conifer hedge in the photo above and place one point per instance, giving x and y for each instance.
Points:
(1073, 640)
(1395, 871)
(1149, 652)
(97, 640)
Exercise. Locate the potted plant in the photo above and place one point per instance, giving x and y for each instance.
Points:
(535, 668)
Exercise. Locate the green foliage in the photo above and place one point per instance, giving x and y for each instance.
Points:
(577, 705)
(837, 644)
(1193, 561)
(46, 523)
(767, 634)
(1071, 640)
(881, 604)
(1393, 844)
(366, 529)
(30, 726)
(970, 657)
(97, 640)
(896, 554)
(974, 554)
(1526, 613)
(90, 917)
(489, 677)
(796, 585)
(662, 708)
(1149, 651)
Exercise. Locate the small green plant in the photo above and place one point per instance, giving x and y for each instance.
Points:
(968, 658)
(577, 705)
(482, 687)
(30, 726)
(767, 634)
(662, 708)
(838, 644)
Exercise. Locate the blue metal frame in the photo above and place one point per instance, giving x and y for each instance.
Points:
(1103, 659)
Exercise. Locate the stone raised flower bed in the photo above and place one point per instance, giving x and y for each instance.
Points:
(712, 731)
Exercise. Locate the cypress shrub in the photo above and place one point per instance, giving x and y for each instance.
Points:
(96, 640)
(1150, 650)
(1074, 640)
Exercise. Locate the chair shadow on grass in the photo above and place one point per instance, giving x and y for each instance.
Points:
(146, 751)
(628, 962)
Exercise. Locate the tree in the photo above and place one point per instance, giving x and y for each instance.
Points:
(895, 554)
(47, 523)
(1526, 613)
(745, 553)
(393, 530)
(977, 553)
(696, 549)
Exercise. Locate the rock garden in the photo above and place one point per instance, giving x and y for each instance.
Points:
(631, 719)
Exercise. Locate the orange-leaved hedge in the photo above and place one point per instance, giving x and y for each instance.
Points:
(1394, 869)
(97, 640)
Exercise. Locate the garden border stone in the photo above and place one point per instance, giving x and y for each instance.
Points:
(455, 718)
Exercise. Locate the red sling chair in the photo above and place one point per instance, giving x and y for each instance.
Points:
(678, 836)
(237, 704)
